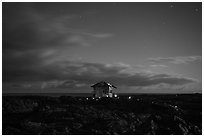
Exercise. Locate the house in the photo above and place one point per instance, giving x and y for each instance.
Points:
(103, 89)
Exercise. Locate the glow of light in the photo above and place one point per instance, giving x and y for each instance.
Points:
(129, 97)
(115, 96)
(87, 98)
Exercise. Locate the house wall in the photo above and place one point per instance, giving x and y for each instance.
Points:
(101, 91)
(110, 94)
(110, 89)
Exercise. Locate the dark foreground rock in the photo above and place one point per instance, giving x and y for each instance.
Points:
(141, 115)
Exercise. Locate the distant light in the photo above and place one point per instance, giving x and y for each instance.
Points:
(138, 99)
(87, 98)
(96, 99)
(93, 98)
(99, 97)
(115, 95)
(106, 95)
(129, 97)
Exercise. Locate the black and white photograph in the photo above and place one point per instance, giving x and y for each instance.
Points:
(102, 68)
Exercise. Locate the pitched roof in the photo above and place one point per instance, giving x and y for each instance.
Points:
(103, 83)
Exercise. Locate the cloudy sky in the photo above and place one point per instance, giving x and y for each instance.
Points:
(67, 47)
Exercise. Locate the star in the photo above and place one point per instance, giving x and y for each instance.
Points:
(172, 6)
(196, 9)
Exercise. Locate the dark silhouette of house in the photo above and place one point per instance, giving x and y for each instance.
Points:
(103, 89)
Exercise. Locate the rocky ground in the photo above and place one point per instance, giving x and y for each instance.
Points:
(141, 115)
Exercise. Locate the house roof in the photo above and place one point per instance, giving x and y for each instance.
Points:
(103, 83)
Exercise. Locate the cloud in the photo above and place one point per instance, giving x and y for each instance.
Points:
(34, 38)
(35, 49)
(29, 26)
(79, 40)
(176, 60)
(158, 66)
(99, 35)
(75, 74)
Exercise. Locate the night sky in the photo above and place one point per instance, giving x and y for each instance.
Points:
(67, 47)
